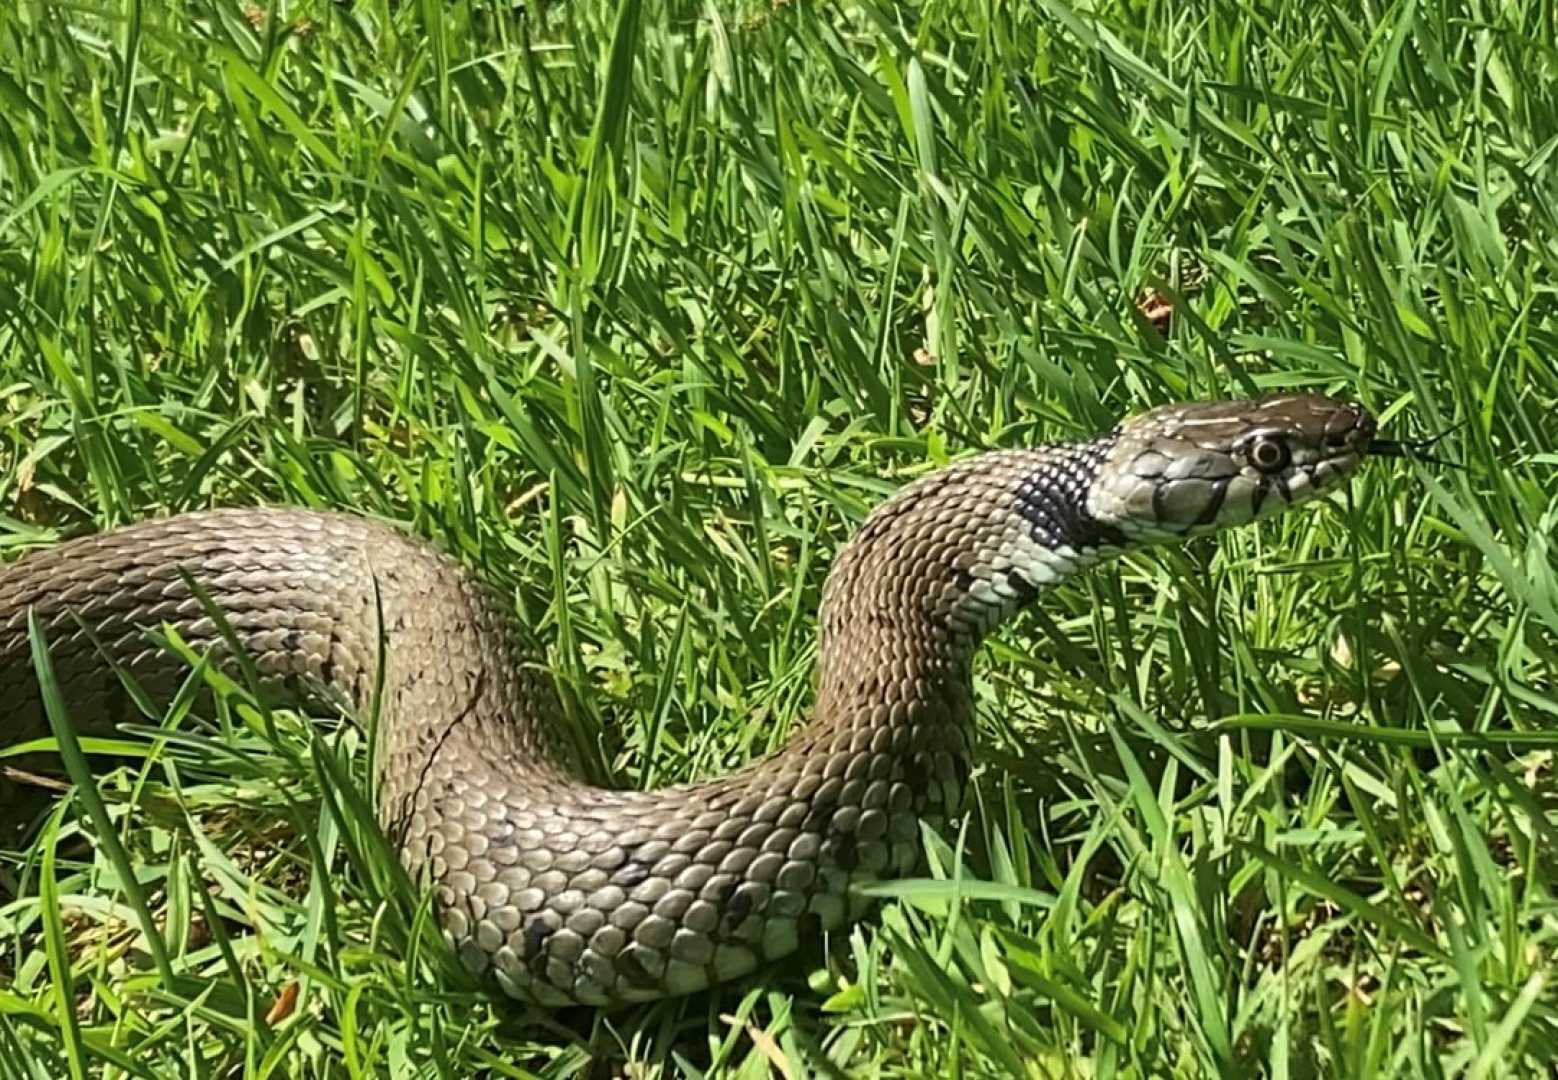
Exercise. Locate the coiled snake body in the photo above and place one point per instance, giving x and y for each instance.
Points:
(560, 892)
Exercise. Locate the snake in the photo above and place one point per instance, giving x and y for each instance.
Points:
(555, 892)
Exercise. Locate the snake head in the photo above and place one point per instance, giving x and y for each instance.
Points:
(1183, 470)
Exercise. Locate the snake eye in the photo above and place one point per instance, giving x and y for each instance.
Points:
(1269, 455)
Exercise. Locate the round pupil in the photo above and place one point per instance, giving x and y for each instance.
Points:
(1269, 454)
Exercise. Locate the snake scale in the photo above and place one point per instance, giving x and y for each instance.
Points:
(557, 892)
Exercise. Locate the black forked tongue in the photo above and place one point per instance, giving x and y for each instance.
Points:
(1412, 449)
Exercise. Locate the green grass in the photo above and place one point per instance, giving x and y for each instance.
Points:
(639, 312)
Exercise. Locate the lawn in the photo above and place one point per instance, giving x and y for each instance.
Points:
(639, 311)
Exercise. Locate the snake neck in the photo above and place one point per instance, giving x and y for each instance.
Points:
(946, 561)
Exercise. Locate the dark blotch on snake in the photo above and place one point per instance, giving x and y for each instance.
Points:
(737, 908)
(1057, 508)
(629, 968)
(1214, 505)
(536, 933)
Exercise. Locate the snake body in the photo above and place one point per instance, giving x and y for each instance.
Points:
(558, 892)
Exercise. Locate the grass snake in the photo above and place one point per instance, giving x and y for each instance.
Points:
(558, 892)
